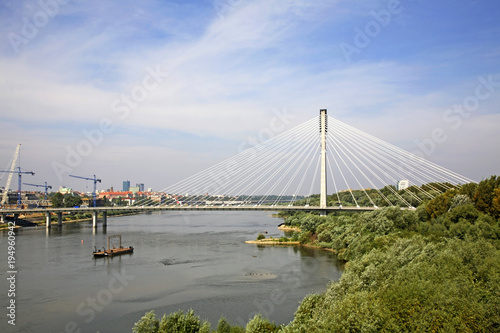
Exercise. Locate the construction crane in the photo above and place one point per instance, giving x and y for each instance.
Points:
(46, 187)
(95, 182)
(11, 172)
(20, 173)
(5, 195)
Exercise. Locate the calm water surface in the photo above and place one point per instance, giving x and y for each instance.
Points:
(182, 260)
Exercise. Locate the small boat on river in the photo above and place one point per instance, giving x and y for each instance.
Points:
(112, 249)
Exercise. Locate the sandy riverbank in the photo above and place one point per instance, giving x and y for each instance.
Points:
(283, 227)
(271, 241)
(275, 241)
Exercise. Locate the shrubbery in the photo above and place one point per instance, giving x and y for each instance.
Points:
(175, 322)
(436, 268)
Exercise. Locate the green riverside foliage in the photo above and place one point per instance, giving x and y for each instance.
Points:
(174, 322)
(433, 269)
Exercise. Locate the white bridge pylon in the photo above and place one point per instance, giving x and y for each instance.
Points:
(359, 169)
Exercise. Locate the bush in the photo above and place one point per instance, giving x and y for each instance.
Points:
(177, 322)
(261, 236)
(147, 324)
(224, 327)
(260, 325)
(304, 237)
(183, 323)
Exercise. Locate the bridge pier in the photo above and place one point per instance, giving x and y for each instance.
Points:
(3, 218)
(59, 219)
(105, 218)
(94, 219)
(47, 220)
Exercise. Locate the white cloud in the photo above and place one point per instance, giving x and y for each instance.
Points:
(226, 77)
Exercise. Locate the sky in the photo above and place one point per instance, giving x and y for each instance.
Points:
(156, 91)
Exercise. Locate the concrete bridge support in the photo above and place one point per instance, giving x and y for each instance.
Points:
(47, 219)
(59, 219)
(3, 218)
(94, 219)
(323, 130)
(105, 218)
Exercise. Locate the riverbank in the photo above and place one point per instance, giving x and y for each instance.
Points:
(287, 241)
(272, 241)
(287, 228)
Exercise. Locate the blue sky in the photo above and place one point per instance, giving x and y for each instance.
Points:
(224, 71)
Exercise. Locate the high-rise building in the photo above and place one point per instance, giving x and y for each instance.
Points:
(126, 185)
(140, 186)
(403, 184)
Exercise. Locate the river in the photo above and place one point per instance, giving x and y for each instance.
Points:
(182, 260)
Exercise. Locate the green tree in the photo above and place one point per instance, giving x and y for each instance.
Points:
(485, 194)
(466, 212)
(440, 204)
(147, 324)
(178, 322)
(72, 201)
(57, 200)
(260, 325)
(468, 189)
(495, 204)
(223, 326)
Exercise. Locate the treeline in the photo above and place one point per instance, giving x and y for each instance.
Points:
(180, 322)
(435, 268)
(384, 197)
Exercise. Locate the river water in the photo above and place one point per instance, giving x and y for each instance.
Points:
(182, 260)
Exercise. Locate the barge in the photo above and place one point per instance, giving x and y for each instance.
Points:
(112, 250)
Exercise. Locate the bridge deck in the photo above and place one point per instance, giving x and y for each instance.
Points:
(185, 208)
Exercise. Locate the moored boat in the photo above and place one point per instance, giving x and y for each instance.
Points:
(112, 250)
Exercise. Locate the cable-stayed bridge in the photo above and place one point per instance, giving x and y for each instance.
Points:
(351, 170)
